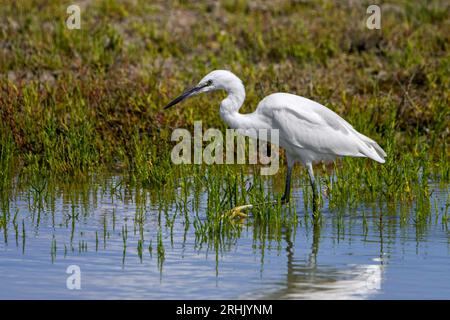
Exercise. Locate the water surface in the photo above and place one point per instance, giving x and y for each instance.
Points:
(129, 245)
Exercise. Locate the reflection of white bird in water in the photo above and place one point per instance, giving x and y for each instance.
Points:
(326, 282)
(306, 278)
(308, 131)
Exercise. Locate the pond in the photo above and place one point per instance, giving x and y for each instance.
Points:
(128, 244)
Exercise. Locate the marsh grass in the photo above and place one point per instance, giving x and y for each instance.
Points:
(78, 101)
(153, 219)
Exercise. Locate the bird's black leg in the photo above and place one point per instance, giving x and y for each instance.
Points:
(314, 188)
(287, 188)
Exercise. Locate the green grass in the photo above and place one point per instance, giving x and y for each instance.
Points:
(74, 101)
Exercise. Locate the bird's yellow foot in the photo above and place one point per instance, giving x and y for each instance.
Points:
(326, 192)
(237, 212)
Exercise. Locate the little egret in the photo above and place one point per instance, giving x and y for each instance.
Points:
(308, 131)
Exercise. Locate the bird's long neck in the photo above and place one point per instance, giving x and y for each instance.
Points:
(229, 108)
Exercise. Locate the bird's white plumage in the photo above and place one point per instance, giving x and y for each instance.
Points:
(308, 131)
(311, 132)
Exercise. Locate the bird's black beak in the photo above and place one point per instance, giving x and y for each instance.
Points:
(185, 95)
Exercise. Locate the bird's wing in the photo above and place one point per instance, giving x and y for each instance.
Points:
(308, 125)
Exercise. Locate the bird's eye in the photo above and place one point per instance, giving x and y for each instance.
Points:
(209, 82)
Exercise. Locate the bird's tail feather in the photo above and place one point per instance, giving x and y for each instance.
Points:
(376, 152)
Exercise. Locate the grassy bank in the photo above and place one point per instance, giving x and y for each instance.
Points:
(74, 102)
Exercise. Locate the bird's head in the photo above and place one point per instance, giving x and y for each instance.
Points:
(215, 80)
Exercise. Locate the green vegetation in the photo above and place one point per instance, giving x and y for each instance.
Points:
(74, 101)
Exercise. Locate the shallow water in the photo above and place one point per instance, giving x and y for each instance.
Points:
(367, 253)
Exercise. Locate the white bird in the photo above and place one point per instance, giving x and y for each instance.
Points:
(308, 131)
